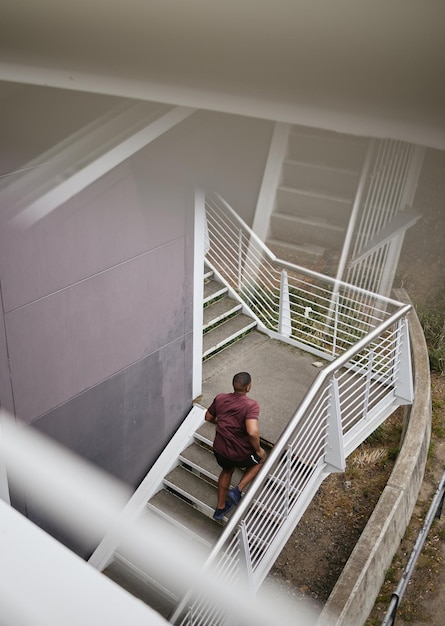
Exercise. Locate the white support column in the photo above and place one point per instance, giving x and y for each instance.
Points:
(335, 450)
(404, 384)
(271, 180)
(198, 290)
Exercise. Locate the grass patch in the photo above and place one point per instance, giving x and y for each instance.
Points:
(432, 318)
(437, 425)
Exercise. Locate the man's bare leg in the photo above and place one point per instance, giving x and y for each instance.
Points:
(248, 476)
(224, 481)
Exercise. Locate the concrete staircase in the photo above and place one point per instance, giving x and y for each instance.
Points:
(186, 496)
(186, 501)
(315, 195)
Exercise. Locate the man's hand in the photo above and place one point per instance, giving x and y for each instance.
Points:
(261, 453)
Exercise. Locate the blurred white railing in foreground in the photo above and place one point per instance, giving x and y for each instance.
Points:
(366, 335)
(45, 584)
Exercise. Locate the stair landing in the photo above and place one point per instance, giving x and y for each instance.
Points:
(281, 375)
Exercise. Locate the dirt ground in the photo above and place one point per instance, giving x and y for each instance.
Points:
(424, 600)
(315, 554)
(317, 551)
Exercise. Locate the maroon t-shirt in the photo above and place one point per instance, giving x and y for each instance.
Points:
(232, 411)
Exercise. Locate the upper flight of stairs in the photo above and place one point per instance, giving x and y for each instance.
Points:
(224, 321)
(314, 199)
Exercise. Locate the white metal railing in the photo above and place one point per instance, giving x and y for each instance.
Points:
(315, 312)
(43, 583)
(389, 189)
(370, 375)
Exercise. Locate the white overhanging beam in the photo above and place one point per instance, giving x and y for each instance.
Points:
(361, 122)
(62, 192)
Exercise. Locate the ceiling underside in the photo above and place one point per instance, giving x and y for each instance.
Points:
(366, 67)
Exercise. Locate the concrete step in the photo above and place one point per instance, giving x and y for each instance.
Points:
(301, 230)
(192, 489)
(304, 203)
(287, 251)
(206, 432)
(208, 273)
(201, 461)
(219, 310)
(328, 148)
(223, 335)
(319, 178)
(142, 586)
(213, 290)
(317, 258)
(185, 519)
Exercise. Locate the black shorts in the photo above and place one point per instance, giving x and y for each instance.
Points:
(229, 464)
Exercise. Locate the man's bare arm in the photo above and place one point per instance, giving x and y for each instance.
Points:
(210, 418)
(253, 431)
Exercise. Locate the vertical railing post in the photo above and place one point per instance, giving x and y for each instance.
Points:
(335, 449)
(201, 247)
(284, 316)
(246, 563)
(368, 382)
(403, 384)
(336, 299)
(288, 477)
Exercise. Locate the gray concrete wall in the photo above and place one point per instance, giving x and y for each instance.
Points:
(355, 592)
(35, 118)
(96, 337)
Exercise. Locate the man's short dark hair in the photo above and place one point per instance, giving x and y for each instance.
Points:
(241, 380)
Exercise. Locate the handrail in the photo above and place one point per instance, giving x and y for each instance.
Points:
(389, 192)
(349, 398)
(292, 266)
(305, 308)
(434, 511)
(278, 448)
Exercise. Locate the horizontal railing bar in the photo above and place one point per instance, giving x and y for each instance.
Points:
(279, 446)
(359, 330)
(300, 269)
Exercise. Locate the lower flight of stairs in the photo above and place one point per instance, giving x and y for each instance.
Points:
(187, 496)
(185, 501)
(313, 202)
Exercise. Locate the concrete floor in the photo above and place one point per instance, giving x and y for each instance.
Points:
(281, 376)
